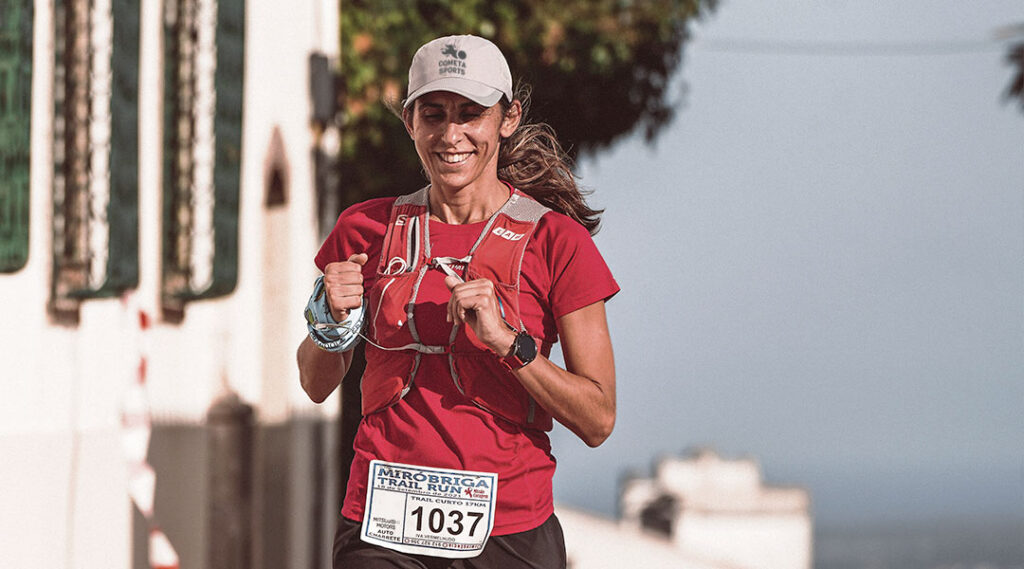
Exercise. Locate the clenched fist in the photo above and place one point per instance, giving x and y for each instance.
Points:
(476, 303)
(343, 284)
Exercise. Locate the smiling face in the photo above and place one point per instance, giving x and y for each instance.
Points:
(457, 140)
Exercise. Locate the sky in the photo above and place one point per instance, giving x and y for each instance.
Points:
(822, 262)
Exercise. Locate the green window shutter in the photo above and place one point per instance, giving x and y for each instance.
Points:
(15, 131)
(200, 242)
(228, 174)
(96, 221)
(123, 210)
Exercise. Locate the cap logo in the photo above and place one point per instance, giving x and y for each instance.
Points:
(454, 65)
(449, 49)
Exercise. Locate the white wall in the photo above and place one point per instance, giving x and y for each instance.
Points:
(63, 496)
(592, 542)
(62, 502)
(753, 541)
(281, 36)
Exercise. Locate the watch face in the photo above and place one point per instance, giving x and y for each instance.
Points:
(526, 348)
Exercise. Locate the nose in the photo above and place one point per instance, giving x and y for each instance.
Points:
(452, 132)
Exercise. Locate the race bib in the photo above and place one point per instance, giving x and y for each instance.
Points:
(429, 511)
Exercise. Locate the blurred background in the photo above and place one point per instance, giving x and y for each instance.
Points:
(814, 209)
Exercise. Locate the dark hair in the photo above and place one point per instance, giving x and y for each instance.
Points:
(533, 160)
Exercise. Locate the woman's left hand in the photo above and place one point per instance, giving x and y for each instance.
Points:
(476, 303)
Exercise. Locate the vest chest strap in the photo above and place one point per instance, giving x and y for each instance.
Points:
(421, 348)
(444, 263)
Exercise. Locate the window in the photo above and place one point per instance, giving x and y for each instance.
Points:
(95, 187)
(203, 81)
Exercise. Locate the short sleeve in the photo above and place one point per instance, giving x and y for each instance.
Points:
(359, 229)
(579, 275)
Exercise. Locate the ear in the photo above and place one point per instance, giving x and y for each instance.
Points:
(510, 122)
(407, 118)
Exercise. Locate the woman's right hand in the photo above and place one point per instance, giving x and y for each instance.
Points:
(343, 283)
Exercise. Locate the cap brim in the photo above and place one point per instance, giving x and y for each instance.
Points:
(476, 92)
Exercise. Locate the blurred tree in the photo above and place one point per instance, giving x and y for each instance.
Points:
(599, 69)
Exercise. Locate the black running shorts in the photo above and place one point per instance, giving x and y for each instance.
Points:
(540, 548)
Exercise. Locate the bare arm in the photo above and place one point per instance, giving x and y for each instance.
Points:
(581, 397)
(320, 371)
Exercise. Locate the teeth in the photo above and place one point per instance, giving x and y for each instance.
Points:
(454, 158)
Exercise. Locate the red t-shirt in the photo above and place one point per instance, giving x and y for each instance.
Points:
(434, 424)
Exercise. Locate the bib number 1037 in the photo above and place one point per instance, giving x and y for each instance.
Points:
(429, 511)
(453, 522)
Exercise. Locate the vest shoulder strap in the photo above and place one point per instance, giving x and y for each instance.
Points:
(403, 234)
(522, 207)
(499, 252)
(417, 198)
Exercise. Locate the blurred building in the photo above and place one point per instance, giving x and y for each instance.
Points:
(718, 513)
(163, 164)
(595, 542)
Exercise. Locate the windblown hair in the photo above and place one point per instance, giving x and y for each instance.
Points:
(533, 161)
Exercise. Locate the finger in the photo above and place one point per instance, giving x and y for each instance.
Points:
(340, 307)
(342, 279)
(465, 305)
(354, 264)
(452, 308)
(476, 295)
(460, 293)
(338, 292)
(333, 282)
(453, 302)
(342, 267)
(336, 267)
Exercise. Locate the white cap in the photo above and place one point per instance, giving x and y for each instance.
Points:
(468, 65)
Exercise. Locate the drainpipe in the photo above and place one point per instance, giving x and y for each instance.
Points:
(230, 444)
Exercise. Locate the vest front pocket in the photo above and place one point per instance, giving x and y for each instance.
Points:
(389, 305)
(387, 377)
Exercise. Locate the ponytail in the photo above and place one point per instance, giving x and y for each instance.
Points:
(533, 161)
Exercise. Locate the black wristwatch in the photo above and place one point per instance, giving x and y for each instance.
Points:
(524, 351)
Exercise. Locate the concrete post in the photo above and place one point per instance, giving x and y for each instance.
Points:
(230, 440)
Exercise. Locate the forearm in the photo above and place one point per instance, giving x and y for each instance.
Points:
(584, 405)
(581, 396)
(320, 371)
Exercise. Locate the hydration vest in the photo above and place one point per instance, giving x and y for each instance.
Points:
(393, 357)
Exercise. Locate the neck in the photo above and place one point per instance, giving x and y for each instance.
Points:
(469, 204)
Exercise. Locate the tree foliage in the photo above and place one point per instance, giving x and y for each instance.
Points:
(599, 69)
